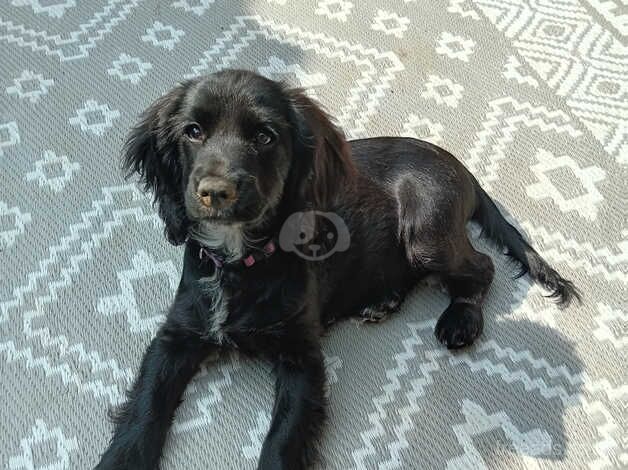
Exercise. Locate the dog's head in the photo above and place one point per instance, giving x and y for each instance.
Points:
(234, 147)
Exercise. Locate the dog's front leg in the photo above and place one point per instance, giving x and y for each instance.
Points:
(299, 409)
(141, 424)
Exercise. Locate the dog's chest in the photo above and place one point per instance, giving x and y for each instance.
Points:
(246, 303)
(217, 306)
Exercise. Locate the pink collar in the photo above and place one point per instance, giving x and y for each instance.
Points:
(248, 261)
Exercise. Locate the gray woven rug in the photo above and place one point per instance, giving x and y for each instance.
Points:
(531, 94)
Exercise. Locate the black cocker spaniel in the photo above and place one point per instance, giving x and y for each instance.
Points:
(287, 228)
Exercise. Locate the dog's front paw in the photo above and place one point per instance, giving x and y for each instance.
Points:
(459, 325)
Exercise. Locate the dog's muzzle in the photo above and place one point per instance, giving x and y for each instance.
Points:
(216, 193)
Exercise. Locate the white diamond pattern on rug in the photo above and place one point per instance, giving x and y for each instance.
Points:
(455, 47)
(558, 34)
(506, 118)
(161, 35)
(9, 136)
(205, 395)
(257, 435)
(129, 68)
(604, 85)
(277, 69)
(53, 171)
(606, 262)
(31, 86)
(12, 223)
(463, 8)
(443, 91)
(52, 8)
(613, 326)
(600, 90)
(586, 203)
(95, 118)
(56, 454)
(564, 44)
(423, 128)
(198, 7)
(143, 268)
(72, 39)
(334, 9)
(427, 365)
(390, 23)
(514, 70)
(533, 443)
(615, 12)
(332, 365)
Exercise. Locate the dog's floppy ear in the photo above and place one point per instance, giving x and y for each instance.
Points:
(151, 150)
(322, 154)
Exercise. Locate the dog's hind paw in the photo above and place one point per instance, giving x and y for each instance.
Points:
(459, 325)
(379, 312)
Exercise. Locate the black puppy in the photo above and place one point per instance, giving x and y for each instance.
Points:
(243, 169)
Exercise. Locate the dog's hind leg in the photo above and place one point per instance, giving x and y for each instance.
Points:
(432, 228)
(467, 277)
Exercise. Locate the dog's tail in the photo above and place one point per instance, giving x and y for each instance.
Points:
(497, 229)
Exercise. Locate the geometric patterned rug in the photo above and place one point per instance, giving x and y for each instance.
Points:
(532, 95)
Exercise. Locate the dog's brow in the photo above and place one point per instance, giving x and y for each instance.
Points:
(199, 113)
(264, 114)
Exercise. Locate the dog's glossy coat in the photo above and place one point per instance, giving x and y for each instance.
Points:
(405, 202)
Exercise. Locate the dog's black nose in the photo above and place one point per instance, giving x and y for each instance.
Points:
(217, 193)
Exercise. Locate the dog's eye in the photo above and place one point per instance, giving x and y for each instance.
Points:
(194, 132)
(264, 137)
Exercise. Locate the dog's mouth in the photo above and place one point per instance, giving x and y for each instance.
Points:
(227, 216)
(214, 215)
(219, 218)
